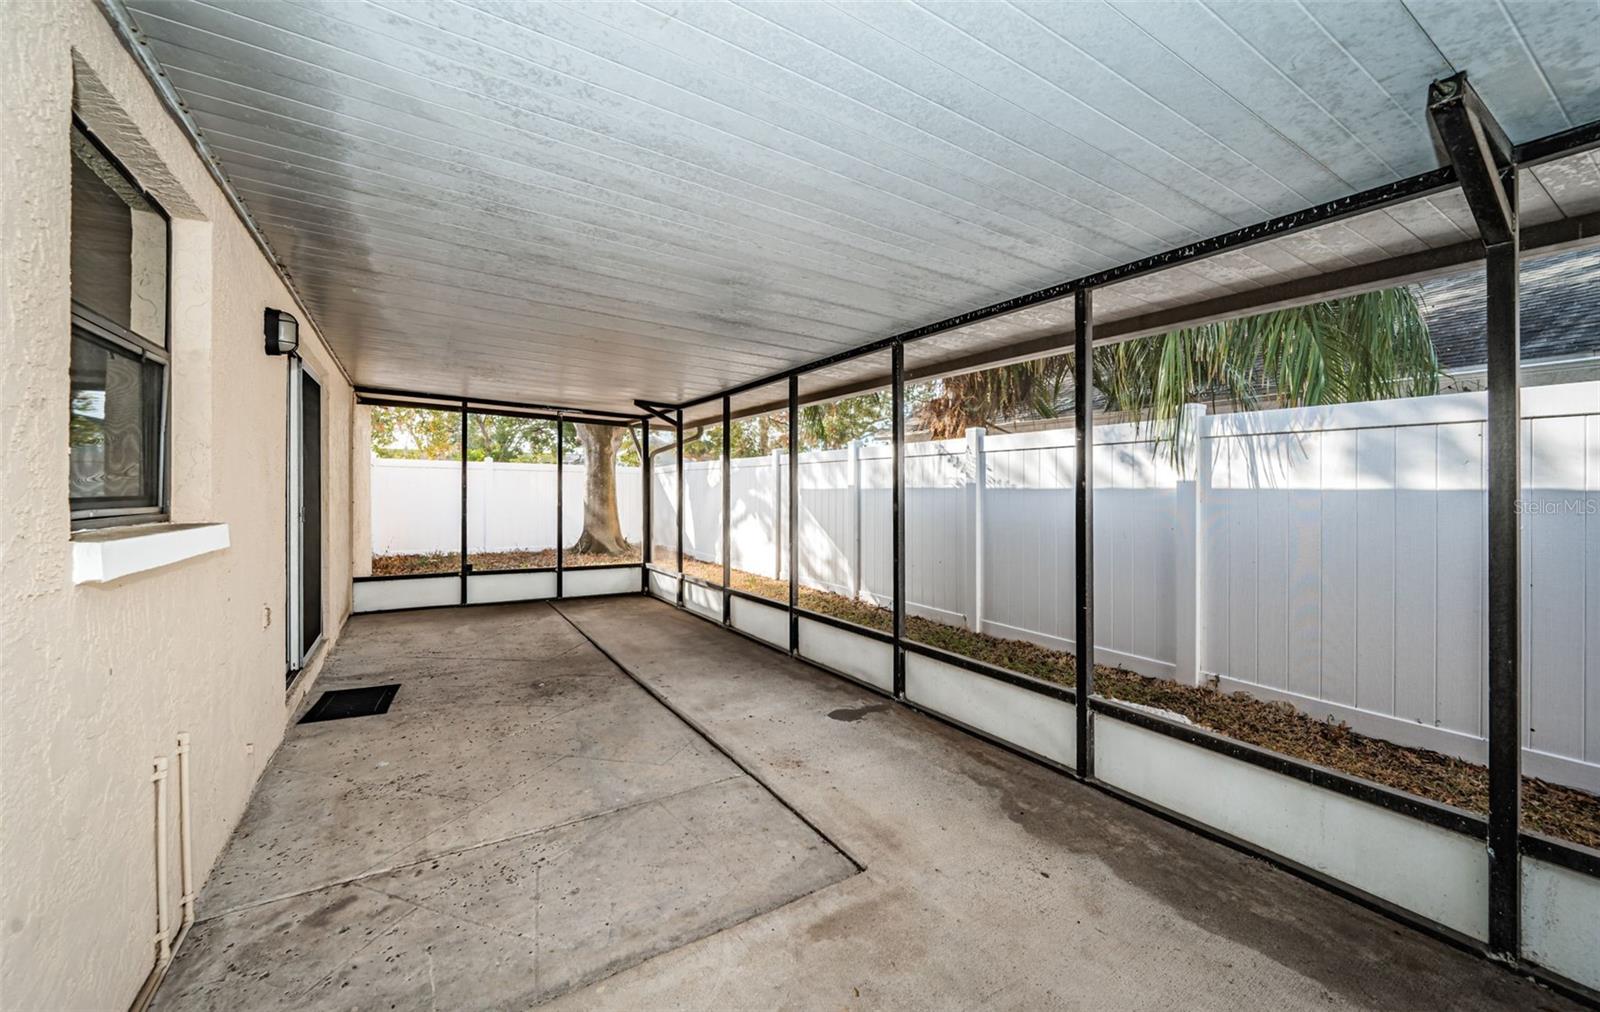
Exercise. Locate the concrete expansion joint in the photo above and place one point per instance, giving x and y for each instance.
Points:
(746, 767)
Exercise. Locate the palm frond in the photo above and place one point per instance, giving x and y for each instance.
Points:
(1370, 346)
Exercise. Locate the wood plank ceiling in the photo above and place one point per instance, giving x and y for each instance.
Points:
(584, 204)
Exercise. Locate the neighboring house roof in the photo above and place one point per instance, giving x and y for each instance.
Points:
(1560, 311)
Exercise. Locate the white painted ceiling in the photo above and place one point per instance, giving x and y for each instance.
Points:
(584, 204)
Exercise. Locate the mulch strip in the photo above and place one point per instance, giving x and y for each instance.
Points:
(1555, 810)
(488, 562)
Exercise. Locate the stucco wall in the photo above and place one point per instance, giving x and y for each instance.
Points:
(95, 681)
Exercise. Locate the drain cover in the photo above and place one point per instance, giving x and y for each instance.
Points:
(342, 703)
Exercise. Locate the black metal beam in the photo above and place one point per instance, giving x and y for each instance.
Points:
(647, 530)
(1563, 144)
(449, 401)
(465, 566)
(897, 401)
(727, 510)
(1479, 152)
(678, 422)
(794, 512)
(657, 411)
(1083, 528)
(561, 470)
(542, 416)
(1505, 594)
(1477, 148)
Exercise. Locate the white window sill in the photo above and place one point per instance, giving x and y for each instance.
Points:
(105, 555)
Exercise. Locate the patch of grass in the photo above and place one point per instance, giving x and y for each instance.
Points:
(1548, 808)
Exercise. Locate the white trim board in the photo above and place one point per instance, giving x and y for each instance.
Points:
(104, 556)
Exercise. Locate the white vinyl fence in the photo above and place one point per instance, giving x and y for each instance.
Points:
(1330, 557)
(416, 505)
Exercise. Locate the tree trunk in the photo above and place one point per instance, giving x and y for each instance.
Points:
(602, 530)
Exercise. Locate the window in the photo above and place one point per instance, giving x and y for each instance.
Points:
(511, 492)
(989, 492)
(702, 494)
(416, 496)
(118, 394)
(845, 476)
(1294, 564)
(664, 497)
(758, 492)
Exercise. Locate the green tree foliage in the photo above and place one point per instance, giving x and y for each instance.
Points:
(832, 424)
(416, 434)
(761, 435)
(88, 422)
(1363, 347)
(430, 434)
(867, 417)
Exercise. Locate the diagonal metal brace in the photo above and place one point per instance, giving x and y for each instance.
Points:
(658, 410)
(1468, 136)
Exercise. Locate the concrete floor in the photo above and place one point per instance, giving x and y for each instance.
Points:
(527, 824)
(524, 820)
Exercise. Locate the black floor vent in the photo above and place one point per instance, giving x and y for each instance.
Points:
(342, 703)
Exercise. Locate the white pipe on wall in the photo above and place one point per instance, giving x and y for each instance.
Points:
(185, 860)
(163, 942)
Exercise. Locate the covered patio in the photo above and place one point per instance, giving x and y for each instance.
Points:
(909, 504)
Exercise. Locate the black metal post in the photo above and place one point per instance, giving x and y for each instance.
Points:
(466, 567)
(561, 471)
(897, 404)
(1482, 158)
(727, 506)
(678, 424)
(794, 513)
(1505, 597)
(647, 529)
(1083, 398)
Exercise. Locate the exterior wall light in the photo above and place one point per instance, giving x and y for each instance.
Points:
(283, 332)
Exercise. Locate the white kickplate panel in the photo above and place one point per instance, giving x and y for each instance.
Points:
(487, 588)
(1044, 726)
(1561, 920)
(393, 595)
(1439, 874)
(587, 582)
(764, 622)
(870, 660)
(706, 601)
(664, 587)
